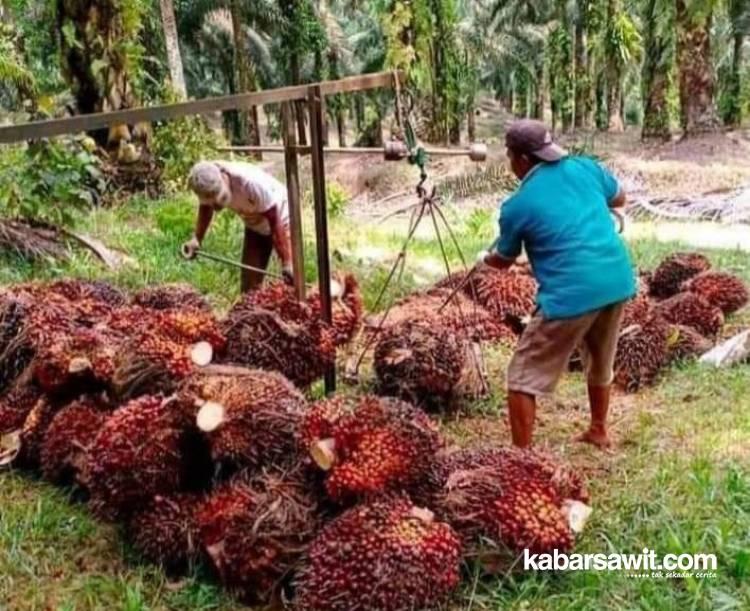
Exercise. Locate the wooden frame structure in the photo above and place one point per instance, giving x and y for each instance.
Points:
(311, 94)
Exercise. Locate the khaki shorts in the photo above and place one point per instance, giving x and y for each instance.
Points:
(546, 346)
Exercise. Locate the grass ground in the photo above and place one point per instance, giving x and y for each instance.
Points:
(678, 479)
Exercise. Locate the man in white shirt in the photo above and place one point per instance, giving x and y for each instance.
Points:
(259, 199)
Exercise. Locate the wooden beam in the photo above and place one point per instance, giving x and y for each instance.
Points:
(81, 123)
(315, 96)
(293, 197)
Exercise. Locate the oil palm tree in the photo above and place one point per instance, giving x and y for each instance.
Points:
(693, 20)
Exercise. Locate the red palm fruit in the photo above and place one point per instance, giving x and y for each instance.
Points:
(33, 431)
(369, 445)
(508, 294)
(165, 531)
(129, 319)
(504, 496)
(96, 290)
(190, 326)
(419, 362)
(15, 351)
(453, 311)
(685, 343)
(641, 353)
(82, 356)
(669, 275)
(15, 405)
(269, 329)
(725, 291)
(152, 362)
(255, 530)
(346, 308)
(387, 554)
(70, 433)
(250, 417)
(692, 310)
(639, 308)
(137, 454)
(171, 296)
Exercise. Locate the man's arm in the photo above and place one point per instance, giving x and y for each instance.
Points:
(493, 259)
(280, 238)
(205, 215)
(619, 200)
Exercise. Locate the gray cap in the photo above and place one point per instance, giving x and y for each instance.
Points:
(531, 137)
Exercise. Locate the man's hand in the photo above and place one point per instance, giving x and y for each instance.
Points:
(288, 274)
(190, 248)
(495, 260)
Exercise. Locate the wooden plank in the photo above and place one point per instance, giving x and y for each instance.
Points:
(293, 197)
(80, 123)
(321, 215)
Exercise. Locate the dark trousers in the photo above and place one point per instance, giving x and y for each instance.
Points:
(256, 252)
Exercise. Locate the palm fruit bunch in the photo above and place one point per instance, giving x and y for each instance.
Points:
(70, 433)
(269, 329)
(16, 403)
(165, 531)
(641, 353)
(419, 361)
(96, 290)
(510, 295)
(137, 454)
(249, 417)
(386, 554)
(79, 358)
(507, 497)
(33, 431)
(15, 353)
(685, 343)
(255, 529)
(451, 310)
(168, 348)
(724, 291)
(669, 275)
(369, 445)
(346, 308)
(692, 310)
(171, 296)
(639, 308)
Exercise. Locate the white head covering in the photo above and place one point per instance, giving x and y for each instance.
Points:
(206, 181)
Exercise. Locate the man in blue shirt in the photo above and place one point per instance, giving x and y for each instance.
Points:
(560, 215)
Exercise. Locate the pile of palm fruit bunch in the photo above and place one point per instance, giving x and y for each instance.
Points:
(425, 346)
(678, 314)
(270, 329)
(339, 504)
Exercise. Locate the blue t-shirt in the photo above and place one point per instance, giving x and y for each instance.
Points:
(560, 215)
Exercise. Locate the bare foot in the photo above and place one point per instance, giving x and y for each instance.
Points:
(600, 439)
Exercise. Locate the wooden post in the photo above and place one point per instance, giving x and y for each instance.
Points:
(314, 97)
(292, 186)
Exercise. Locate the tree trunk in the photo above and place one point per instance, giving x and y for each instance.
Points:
(341, 127)
(245, 77)
(299, 105)
(582, 80)
(658, 40)
(615, 122)
(471, 125)
(733, 116)
(538, 112)
(98, 36)
(174, 57)
(601, 103)
(696, 69)
(455, 130)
